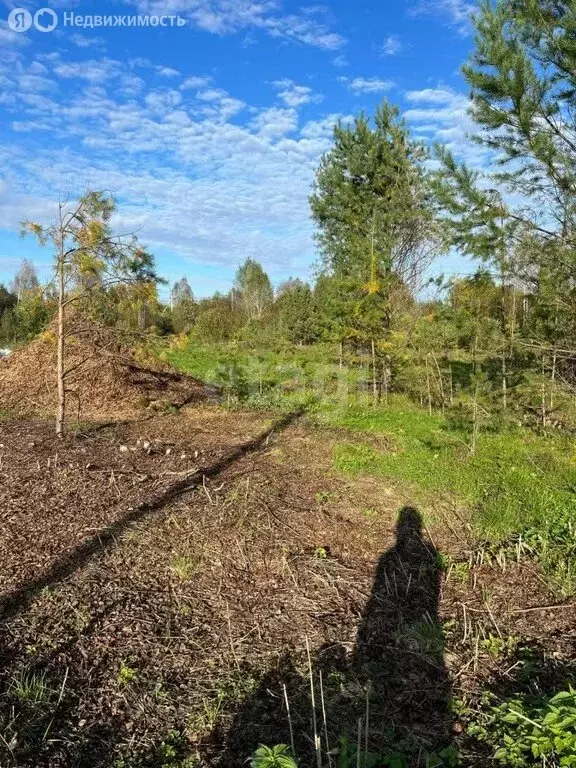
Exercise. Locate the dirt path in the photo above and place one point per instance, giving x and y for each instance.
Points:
(160, 584)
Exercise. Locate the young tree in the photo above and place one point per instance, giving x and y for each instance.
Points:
(522, 76)
(87, 258)
(253, 287)
(334, 308)
(521, 216)
(25, 281)
(181, 291)
(296, 311)
(8, 300)
(375, 224)
(184, 308)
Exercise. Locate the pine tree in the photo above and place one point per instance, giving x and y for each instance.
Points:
(375, 226)
(88, 258)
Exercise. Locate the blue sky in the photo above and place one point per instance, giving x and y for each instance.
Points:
(209, 133)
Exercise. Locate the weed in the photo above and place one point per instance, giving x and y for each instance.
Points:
(326, 497)
(518, 485)
(531, 731)
(184, 566)
(235, 690)
(126, 674)
(31, 688)
(273, 757)
(443, 561)
(423, 637)
(499, 646)
(460, 571)
(320, 553)
(348, 755)
(203, 722)
(172, 749)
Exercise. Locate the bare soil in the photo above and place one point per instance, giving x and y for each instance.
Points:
(161, 580)
(105, 379)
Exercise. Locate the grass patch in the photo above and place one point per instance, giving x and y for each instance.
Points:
(279, 377)
(519, 485)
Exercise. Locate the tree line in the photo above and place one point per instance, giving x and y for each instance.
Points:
(384, 207)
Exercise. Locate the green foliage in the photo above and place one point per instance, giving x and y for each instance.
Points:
(273, 757)
(184, 314)
(375, 230)
(172, 752)
(184, 566)
(8, 300)
(31, 689)
(347, 755)
(296, 312)
(126, 674)
(253, 288)
(369, 200)
(24, 321)
(518, 484)
(529, 731)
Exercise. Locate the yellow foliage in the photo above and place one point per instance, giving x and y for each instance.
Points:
(372, 286)
(180, 341)
(92, 234)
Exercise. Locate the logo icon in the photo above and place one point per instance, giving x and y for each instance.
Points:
(45, 20)
(19, 20)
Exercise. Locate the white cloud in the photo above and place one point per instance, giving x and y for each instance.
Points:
(193, 173)
(441, 115)
(96, 70)
(195, 82)
(294, 95)
(392, 46)
(433, 96)
(231, 16)
(8, 38)
(167, 72)
(456, 12)
(163, 101)
(34, 83)
(85, 41)
(367, 84)
(222, 106)
(323, 128)
(275, 122)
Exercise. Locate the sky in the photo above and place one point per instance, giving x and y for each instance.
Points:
(209, 133)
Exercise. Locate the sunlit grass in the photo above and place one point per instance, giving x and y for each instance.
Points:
(518, 483)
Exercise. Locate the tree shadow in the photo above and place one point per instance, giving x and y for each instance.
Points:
(391, 694)
(18, 600)
(41, 692)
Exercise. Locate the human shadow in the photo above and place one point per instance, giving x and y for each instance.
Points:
(388, 699)
(399, 651)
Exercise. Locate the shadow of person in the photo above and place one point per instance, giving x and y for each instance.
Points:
(399, 652)
(392, 688)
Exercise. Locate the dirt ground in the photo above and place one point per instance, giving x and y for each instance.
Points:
(162, 579)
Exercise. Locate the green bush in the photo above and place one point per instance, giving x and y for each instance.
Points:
(531, 732)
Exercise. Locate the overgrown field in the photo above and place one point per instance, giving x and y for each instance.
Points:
(339, 586)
